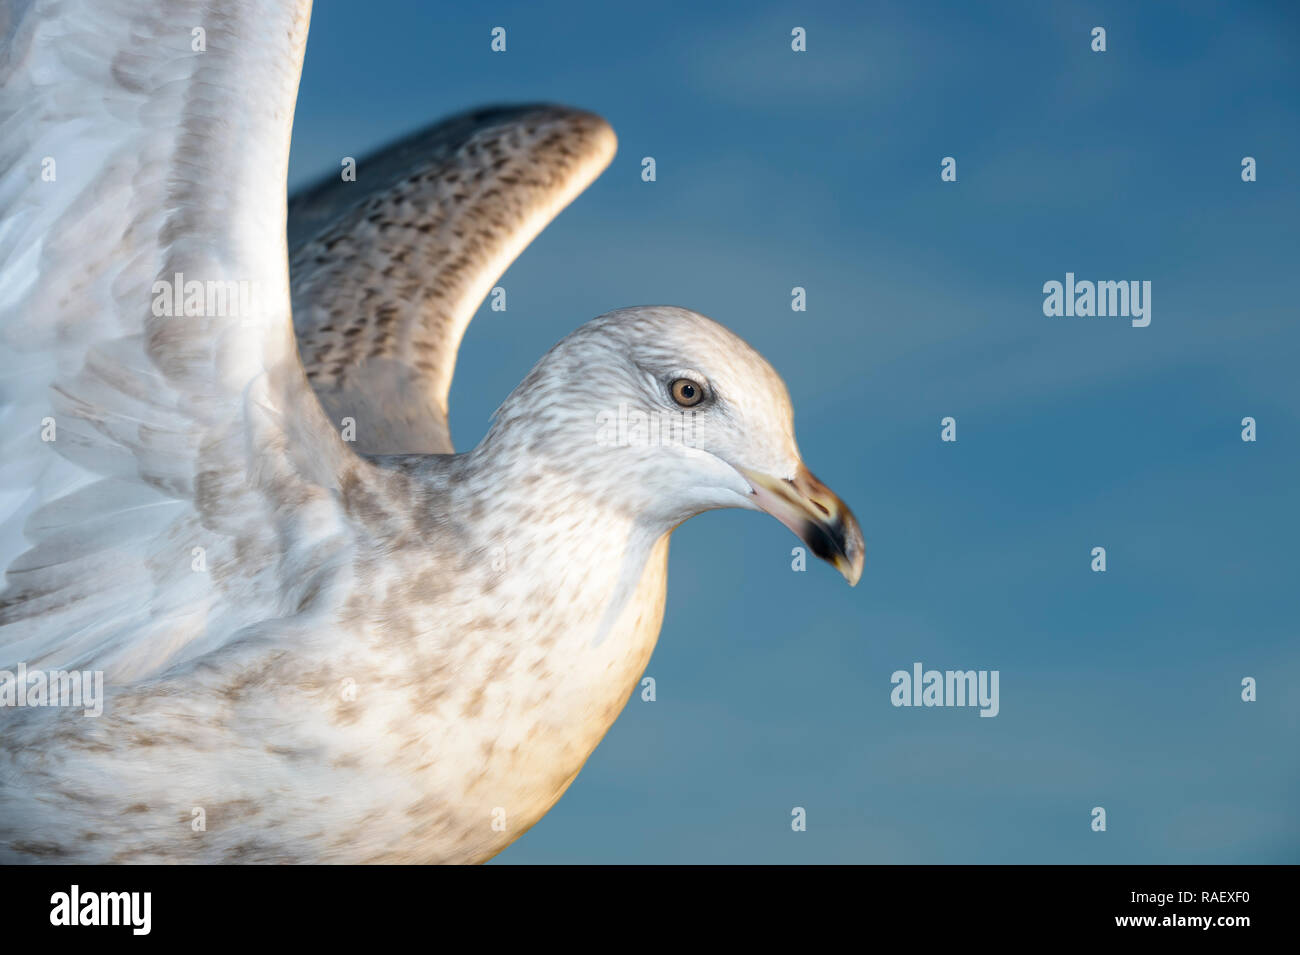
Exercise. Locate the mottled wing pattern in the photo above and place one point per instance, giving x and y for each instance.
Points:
(168, 483)
(388, 269)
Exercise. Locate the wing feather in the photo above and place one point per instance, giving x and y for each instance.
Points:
(169, 482)
(388, 270)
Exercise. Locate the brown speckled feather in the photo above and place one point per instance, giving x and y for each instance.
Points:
(388, 270)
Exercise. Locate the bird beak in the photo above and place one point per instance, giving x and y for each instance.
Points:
(819, 518)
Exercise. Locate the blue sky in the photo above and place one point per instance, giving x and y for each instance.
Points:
(821, 170)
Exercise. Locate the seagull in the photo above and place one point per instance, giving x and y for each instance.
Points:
(228, 489)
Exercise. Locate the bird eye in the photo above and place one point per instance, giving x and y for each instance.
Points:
(686, 392)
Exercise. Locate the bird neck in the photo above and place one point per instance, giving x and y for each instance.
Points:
(555, 532)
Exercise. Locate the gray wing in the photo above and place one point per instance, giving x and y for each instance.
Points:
(388, 270)
(168, 482)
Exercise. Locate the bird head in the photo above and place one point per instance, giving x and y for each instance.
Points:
(672, 415)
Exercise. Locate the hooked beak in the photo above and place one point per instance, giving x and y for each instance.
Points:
(819, 518)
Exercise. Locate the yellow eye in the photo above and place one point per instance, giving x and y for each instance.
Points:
(686, 392)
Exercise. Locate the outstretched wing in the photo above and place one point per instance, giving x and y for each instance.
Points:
(389, 268)
(168, 482)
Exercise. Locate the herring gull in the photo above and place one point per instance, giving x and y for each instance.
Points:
(227, 485)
